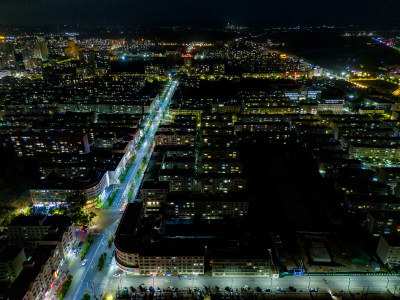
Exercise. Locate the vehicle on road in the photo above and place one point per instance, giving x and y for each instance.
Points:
(292, 289)
(152, 289)
(80, 243)
(312, 290)
(132, 289)
(228, 289)
(117, 275)
(84, 262)
(259, 290)
(279, 289)
(217, 288)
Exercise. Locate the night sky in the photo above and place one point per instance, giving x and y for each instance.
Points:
(182, 12)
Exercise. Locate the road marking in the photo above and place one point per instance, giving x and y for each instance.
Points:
(87, 269)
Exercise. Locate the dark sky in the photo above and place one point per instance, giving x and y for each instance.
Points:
(203, 12)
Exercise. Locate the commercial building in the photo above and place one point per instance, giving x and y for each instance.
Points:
(139, 252)
(51, 193)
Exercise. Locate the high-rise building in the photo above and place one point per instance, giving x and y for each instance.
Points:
(187, 64)
(72, 51)
(41, 50)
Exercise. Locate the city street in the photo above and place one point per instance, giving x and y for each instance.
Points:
(324, 284)
(87, 278)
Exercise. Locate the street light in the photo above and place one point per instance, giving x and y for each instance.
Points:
(387, 283)
(348, 287)
(309, 282)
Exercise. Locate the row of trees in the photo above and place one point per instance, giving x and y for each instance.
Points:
(86, 246)
(64, 289)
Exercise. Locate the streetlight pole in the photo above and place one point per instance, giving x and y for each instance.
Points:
(309, 282)
(387, 283)
(348, 287)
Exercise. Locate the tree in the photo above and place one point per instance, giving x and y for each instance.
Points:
(86, 296)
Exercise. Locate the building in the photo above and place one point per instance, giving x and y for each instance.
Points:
(245, 263)
(72, 51)
(174, 139)
(35, 228)
(50, 193)
(389, 250)
(222, 183)
(361, 151)
(137, 253)
(187, 64)
(154, 191)
(208, 206)
(38, 274)
(383, 222)
(30, 143)
(11, 263)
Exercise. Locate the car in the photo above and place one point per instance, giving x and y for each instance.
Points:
(228, 289)
(267, 290)
(259, 290)
(132, 289)
(117, 275)
(80, 243)
(217, 288)
(247, 288)
(279, 289)
(140, 288)
(171, 287)
(205, 288)
(84, 262)
(152, 289)
(313, 290)
(292, 289)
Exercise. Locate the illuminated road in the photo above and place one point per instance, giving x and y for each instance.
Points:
(86, 277)
(324, 284)
(89, 279)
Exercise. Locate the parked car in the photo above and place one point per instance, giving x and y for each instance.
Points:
(84, 262)
(292, 289)
(228, 289)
